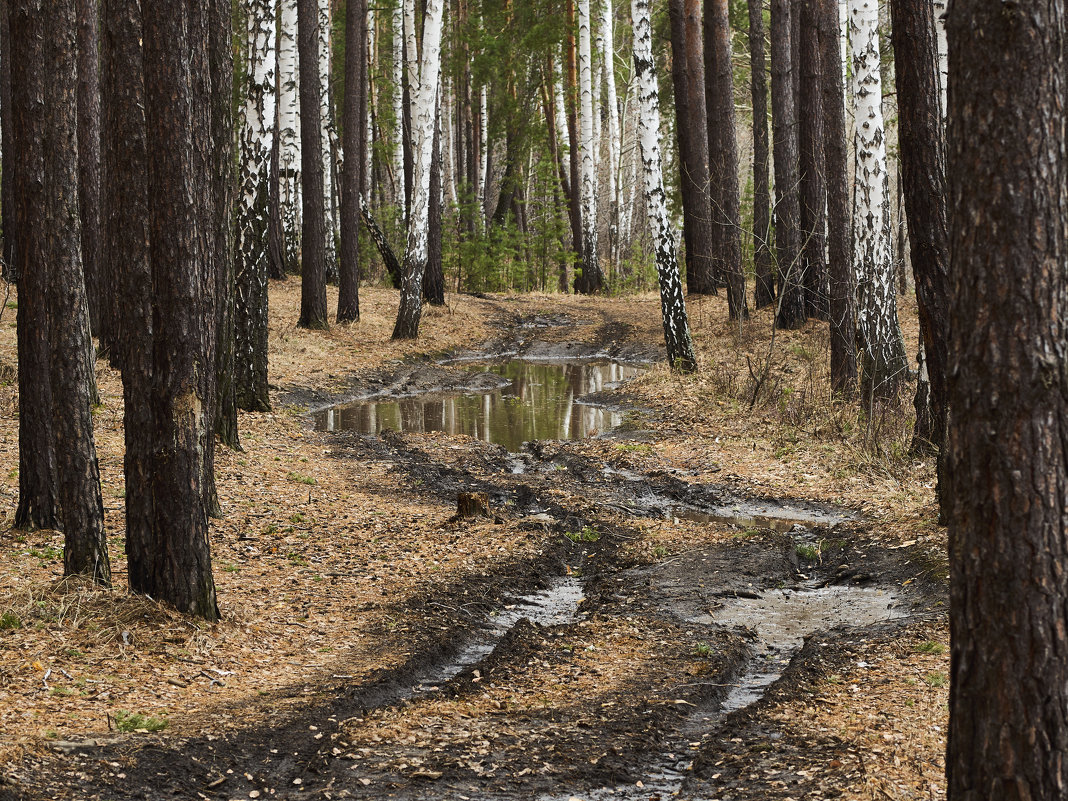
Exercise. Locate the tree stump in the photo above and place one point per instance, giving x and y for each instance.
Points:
(472, 504)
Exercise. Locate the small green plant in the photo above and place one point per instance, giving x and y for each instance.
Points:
(296, 558)
(132, 721)
(702, 649)
(297, 517)
(659, 551)
(936, 679)
(231, 568)
(300, 479)
(810, 553)
(48, 553)
(9, 621)
(587, 534)
(930, 647)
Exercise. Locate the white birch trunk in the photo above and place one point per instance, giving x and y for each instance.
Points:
(289, 129)
(423, 117)
(943, 52)
(398, 102)
(483, 166)
(882, 347)
(447, 128)
(587, 172)
(411, 50)
(608, 31)
(329, 138)
(372, 60)
(628, 157)
(672, 302)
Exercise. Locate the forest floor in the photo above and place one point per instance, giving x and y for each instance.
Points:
(737, 593)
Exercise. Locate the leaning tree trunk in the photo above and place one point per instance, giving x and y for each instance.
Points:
(290, 155)
(672, 303)
(688, 78)
(842, 286)
(423, 123)
(44, 96)
(352, 169)
(762, 262)
(252, 258)
(882, 348)
(89, 162)
(723, 157)
(924, 185)
(791, 311)
(313, 236)
(176, 67)
(1007, 466)
(811, 163)
(592, 277)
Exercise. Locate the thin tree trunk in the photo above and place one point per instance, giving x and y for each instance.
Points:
(45, 99)
(289, 133)
(276, 236)
(791, 311)
(178, 119)
(672, 302)
(399, 104)
(417, 251)
(577, 218)
(434, 285)
(842, 287)
(313, 237)
(352, 171)
(328, 140)
(592, 279)
(609, 56)
(762, 261)
(254, 213)
(7, 147)
(1007, 465)
(89, 161)
(723, 157)
(811, 164)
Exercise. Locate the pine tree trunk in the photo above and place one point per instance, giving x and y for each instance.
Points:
(423, 119)
(672, 302)
(313, 236)
(723, 157)
(592, 279)
(688, 78)
(434, 284)
(254, 210)
(89, 161)
(791, 311)
(44, 81)
(1007, 462)
(923, 183)
(178, 119)
(762, 261)
(352, 171)
(811, 164)
(883, 360)
(842, 284)
(7, 147)
(289, 134)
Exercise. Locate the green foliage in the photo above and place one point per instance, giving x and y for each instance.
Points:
(132, 721)
(9, 621)
(930, 647)
(587, 534)
(301, 479)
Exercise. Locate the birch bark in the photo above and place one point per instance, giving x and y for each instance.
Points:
(592, 280)
(672, 303)
(612, 101)
(289, 153)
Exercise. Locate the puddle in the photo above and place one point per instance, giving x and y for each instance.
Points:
(747, 514)
(555, 605)
(540, 401)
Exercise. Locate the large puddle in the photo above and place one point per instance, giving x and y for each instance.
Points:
(541, 400)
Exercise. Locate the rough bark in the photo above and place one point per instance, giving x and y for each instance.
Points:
(842, 282)
(723, 157)
(672, 302)
(313, 234)
(252, 256)
(762, 260)
(89, 161)
(923, 184)
(182, 242)
(45, 101)
(688, 79)
(811, 163)
(355, 149)
(1007, 469)
(791, 311)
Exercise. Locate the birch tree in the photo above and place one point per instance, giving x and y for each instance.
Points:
(328, 137)
(672, 303)
(423, 122)
(608, 50)
(592, 279)
(398, 103)
(253, 213)
(289, 149)
(884, 364)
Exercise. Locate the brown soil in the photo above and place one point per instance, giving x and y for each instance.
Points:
(344, 581)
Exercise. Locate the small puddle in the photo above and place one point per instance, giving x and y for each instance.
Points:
(780, 517)
(541, 401)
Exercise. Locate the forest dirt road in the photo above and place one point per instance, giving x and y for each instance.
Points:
(734, 589)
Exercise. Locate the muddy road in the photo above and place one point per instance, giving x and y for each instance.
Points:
(603, 667)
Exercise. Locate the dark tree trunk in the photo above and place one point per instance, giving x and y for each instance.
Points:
(1007, 466)
(434, 280)
(355, 148)
(791, 311)
(45, 103)
(276, 249)
(127, 262)
(923, 182)
(811, 163)
(313, 312)
(89, 162)
(7, 148)
(688, 80)
(842, 306)
(762, 261)
(38, 505)
(723, 157)
(571, 104)
(183, 258)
